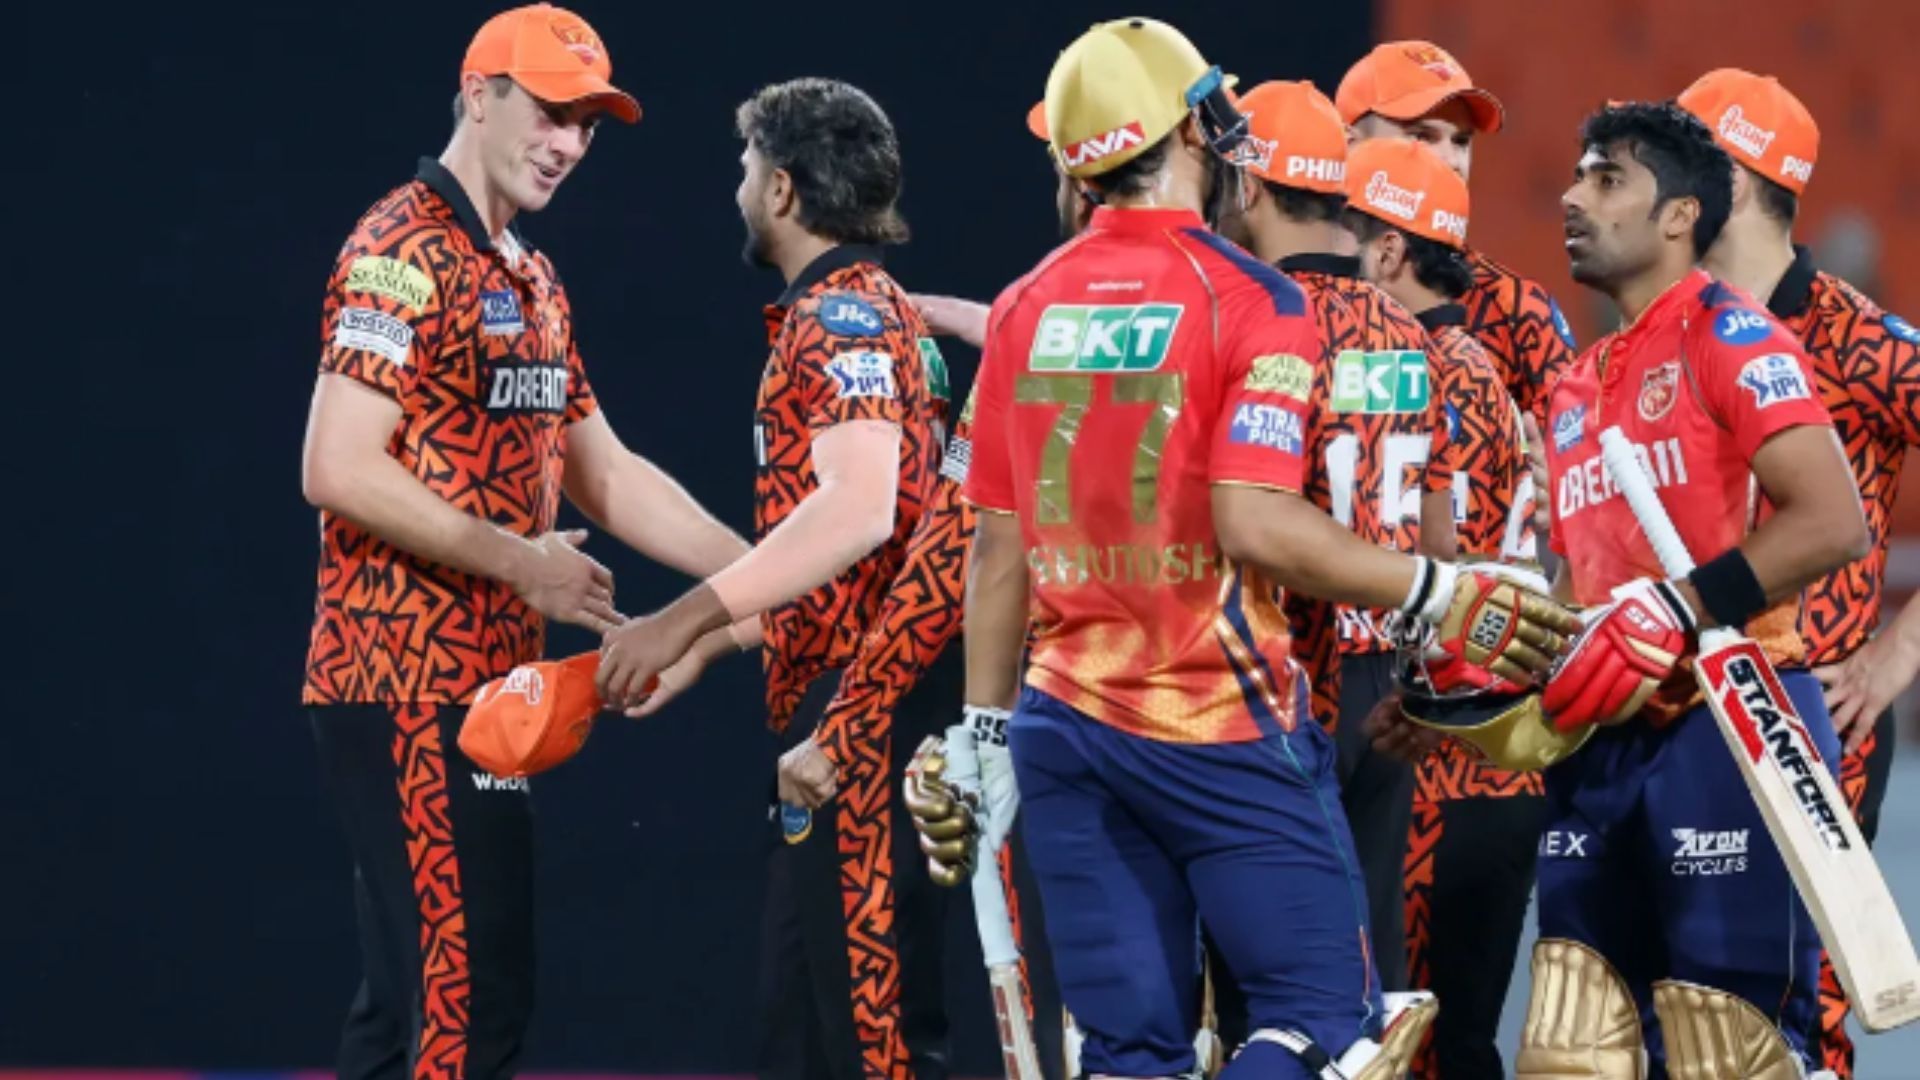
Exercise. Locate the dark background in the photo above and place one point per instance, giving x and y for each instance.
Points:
(175, 889)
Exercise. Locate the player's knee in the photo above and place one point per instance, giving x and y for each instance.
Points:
(1713, 1035)
(1582, 1023)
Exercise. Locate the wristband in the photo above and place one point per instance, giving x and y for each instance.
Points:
(1728, 589)
(989, 724)
(1689, 622)
(1422, 585)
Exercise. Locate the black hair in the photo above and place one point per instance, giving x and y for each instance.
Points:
(1436, 266)
(1680, 153)
(840, 150)
(1135, 175)
(1307, 207)
(499, 84)
(1776, 201)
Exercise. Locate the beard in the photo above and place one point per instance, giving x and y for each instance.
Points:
(755, 251)
(1223, 191)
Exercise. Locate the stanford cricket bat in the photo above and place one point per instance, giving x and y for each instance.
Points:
(1805, 813)
(995, 925)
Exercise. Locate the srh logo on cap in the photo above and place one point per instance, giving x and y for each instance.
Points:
(1105, 144)
(526, 682)
(1744, 133)
(1454, 225)
(579, 40)
(1325, 170)
(1384, 194)
(1253, 151)
(1434, 59)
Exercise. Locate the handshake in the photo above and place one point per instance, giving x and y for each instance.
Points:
(1527, 708)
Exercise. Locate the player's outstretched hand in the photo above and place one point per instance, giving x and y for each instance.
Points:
(562, 582)
(954, 317)
(633, 655)
(807, 776)
(1629, 648)
(1861, 687)
(1394, 735)
(1494, 627)
(941, 816)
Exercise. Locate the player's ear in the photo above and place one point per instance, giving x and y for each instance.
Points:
(474, 98)
(1392, 247)
(1742, 187)
(1677, 217)
(782, 199)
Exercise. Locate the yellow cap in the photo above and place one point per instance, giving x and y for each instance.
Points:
(1119, 89)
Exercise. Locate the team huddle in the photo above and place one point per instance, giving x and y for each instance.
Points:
(1321, 604)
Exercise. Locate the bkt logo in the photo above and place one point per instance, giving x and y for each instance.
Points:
(1380, 382)
(1740, 327)
(1103, 337)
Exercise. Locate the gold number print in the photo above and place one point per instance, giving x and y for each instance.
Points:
(1166, 393)
(1053, 502)
(1052, 490)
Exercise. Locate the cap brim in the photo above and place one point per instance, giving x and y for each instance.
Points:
(569, 87)
(1037, 120)
(1486, 111)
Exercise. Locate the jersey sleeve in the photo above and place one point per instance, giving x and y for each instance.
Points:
(989, 483)
(1446, 412)
(580, 400)
(1884, 378)
(916, 622)
(1267, 337)
(1543, 340)
(845, 363)
(382, 312)
(1754, 376)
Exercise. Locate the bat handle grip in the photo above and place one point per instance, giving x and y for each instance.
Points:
(1630, 475)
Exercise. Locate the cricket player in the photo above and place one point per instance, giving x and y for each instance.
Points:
(1866, 364)
(1138, 454)
(1470, 853)
(451, 412)
(1663, 902)
(848, 436)
(1367, 456)
(1415, 89)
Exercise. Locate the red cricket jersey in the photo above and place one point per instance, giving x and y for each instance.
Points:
(1698, 383)
(1135, 368)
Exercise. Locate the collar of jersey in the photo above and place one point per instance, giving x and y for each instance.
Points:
(824, 265)
(1791, 296)
(442, 183)
(1321, 262)
(1443, 315)
(1680, 292)
(1144, 219)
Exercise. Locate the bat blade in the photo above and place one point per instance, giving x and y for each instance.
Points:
(1021, 1057)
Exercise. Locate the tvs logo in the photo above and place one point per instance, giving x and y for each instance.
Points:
(1384, 194)
(1750, 137)
(1105, 145)
(580, 41)
(1435, 61)
(1659, 390)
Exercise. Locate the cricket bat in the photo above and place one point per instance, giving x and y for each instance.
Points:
(1804, 811)
(995, 925)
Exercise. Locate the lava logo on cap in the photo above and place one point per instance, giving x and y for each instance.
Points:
(1105, 144)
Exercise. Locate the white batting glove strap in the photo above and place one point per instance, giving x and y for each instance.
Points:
(989, 724)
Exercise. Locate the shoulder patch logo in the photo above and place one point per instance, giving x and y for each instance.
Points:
(849, 316)
(1739, 326)
(390, 278)
(1900, 328)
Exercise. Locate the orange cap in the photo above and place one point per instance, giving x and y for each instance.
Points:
(1407, 186)
(553, 54)
(1759, 122)
(1294, 137)
(533, 717)
(1406, 80)
(1037, 120)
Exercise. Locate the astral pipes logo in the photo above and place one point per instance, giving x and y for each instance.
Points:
(1105, 144)
(1744, 133)
(1384, 194)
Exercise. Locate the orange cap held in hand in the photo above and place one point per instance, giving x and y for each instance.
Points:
(1759, 122)
(533, 717)
(553, 54)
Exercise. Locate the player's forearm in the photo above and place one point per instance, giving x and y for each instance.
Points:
(650, 512)
(829, 531)
(375, 492)
(913, 627)
(1305, 551)
(1438, 538)
(996, 611)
